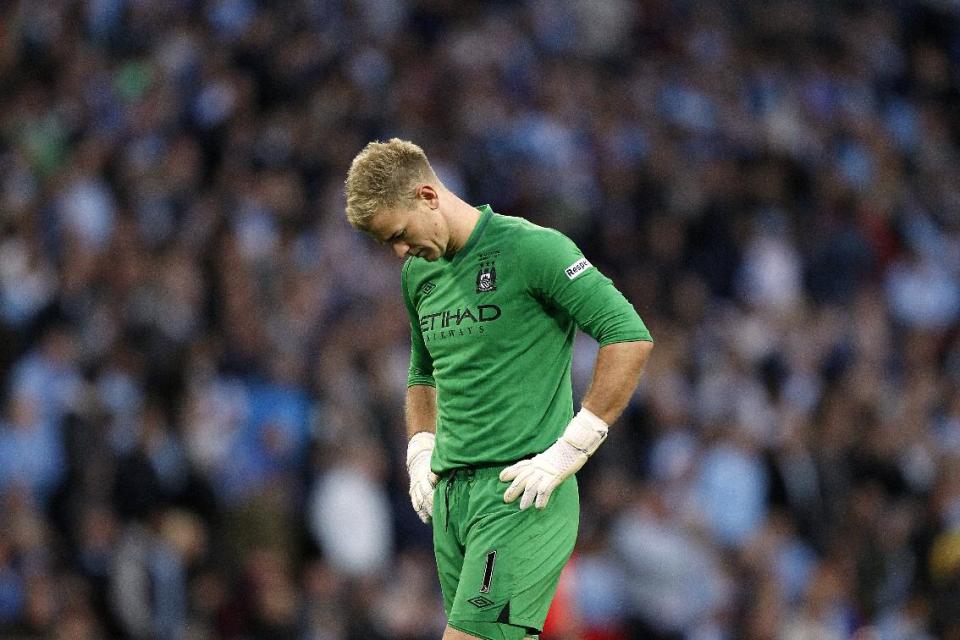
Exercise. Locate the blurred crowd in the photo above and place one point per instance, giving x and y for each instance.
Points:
(202, 367)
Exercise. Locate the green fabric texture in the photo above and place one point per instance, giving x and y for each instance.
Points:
(493, 328)
(499, 566)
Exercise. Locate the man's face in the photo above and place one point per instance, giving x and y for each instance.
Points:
(418, 231)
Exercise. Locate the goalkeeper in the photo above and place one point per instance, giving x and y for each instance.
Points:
(494, 303)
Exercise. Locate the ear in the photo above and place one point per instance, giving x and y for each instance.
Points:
(430, 195)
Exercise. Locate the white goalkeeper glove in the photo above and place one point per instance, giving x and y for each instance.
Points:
(537, 477)
(422, 480)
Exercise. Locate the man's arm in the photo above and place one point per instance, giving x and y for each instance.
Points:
(615, 377)
(421, 409)
(421, 417)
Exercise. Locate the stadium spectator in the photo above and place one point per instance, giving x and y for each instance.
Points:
(187, 324)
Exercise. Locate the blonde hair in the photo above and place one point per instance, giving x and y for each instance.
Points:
(382, 176)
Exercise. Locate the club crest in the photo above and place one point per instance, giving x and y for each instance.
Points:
(487, 278)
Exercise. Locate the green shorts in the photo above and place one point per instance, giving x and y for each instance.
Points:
(499, 566)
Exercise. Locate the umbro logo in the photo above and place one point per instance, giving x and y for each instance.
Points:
(480, 602)
(427, 287)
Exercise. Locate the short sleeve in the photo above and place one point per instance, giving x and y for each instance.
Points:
(560, 275)
(421, 364)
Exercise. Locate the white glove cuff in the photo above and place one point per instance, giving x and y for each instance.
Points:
(586, 432)
(419, 444)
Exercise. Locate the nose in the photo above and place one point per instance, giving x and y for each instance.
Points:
(401, 248)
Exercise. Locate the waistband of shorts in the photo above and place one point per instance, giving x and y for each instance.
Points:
(475, 468)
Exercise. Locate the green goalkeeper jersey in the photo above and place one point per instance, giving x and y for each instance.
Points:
(492, 329)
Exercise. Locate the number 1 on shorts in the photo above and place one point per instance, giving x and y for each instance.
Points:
(488, 572)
